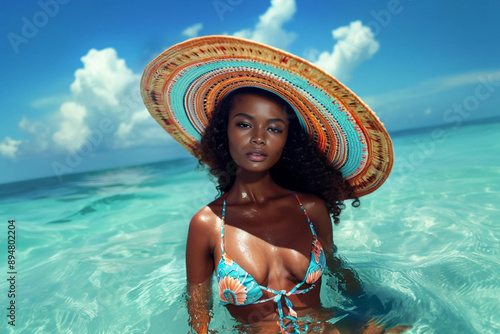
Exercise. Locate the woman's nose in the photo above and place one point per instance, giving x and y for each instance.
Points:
(258, 137)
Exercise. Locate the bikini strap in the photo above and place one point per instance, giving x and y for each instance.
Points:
(223, 219)
(306, 215)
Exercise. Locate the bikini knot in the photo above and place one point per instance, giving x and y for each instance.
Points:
(279, 294)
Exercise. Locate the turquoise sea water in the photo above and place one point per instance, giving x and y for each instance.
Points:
(103, 252)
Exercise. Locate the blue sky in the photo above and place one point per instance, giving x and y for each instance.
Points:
(71, 69)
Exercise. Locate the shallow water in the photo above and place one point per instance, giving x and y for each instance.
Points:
(103, 252)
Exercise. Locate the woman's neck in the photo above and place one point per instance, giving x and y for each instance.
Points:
(254, 187)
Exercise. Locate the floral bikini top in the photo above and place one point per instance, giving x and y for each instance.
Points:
(237, 287)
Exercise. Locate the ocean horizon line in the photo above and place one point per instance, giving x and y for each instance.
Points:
(393, 134)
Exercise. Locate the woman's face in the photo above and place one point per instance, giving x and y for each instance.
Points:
(257, 131)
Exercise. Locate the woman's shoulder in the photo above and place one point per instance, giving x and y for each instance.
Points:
(312, 203)
(208, 216)
(318, 213)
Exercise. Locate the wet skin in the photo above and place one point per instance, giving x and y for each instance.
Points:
(257, 133)
(266, 232)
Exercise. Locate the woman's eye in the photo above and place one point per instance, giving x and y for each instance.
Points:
(275, 130)
(242, 125)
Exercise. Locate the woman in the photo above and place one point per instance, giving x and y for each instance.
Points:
(286, 152)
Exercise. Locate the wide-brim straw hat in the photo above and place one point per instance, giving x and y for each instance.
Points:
(181, 87)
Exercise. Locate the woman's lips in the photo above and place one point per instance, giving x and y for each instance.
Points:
(256, 155)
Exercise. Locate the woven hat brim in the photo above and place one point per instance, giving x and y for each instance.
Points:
(181, 87)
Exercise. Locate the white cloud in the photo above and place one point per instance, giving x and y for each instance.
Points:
(108, 89)
(139, 129)
(355, 44)
(72, 131)
(269, 30)
(102, 80)
(311, 54)
(193, 30)
(9, 147)
(104, 90)
(40, 132)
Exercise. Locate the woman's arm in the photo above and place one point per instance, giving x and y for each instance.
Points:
(199, 269)
(348, 280)
(198, 304)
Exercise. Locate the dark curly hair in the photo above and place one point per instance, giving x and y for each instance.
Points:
(302, 166)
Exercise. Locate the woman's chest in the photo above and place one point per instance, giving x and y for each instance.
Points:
(274, 249)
